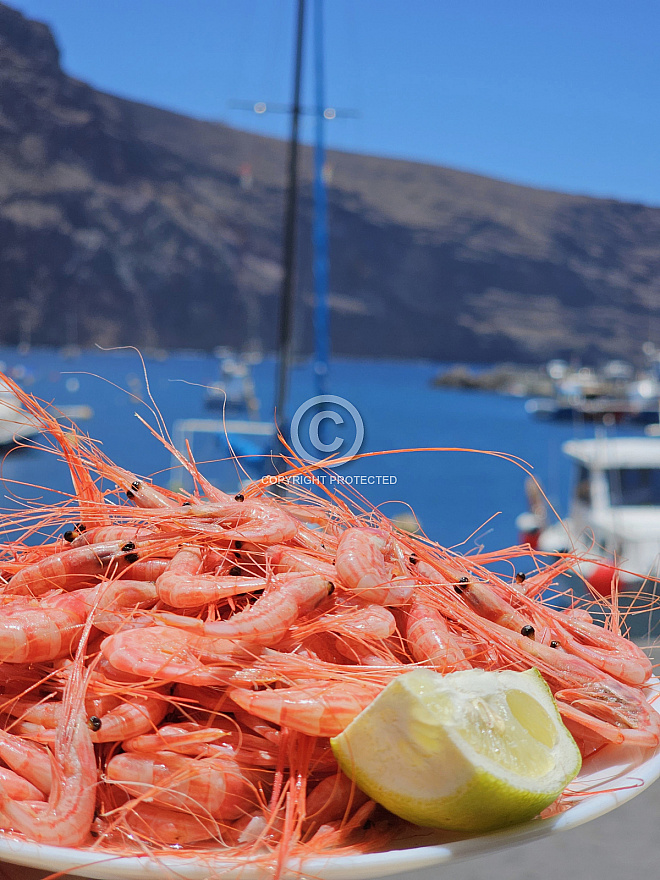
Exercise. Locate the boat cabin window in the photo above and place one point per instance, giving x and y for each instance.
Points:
(583, 485)
(634, 486)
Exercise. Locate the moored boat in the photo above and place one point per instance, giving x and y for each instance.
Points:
(15, 422)
(613, 395)
(613, 520)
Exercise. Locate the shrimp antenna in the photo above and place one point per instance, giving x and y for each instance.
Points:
(154, 410)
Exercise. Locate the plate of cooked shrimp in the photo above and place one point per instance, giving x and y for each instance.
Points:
(173, 666)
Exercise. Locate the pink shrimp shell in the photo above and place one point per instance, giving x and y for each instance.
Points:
(318, 710)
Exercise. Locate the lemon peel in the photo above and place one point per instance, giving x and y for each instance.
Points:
(468, 751)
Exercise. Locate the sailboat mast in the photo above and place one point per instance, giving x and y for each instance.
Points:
(289, 246)
(321, 313)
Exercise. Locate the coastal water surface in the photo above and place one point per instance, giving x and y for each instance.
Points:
(458, 496)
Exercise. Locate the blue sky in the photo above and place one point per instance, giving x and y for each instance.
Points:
(561, 95)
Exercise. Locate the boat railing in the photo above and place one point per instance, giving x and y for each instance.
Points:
(184, 432)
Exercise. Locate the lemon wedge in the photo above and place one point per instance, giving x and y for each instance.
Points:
(469, 751)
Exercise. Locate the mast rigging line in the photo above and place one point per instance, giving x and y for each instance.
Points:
(290, 217)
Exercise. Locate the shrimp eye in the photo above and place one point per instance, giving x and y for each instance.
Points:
(331, 588)
(186, 504)
(238, 544)
(136, 486)
(131, 557)
(528, 630)
(239, 497)
(554, 644)
(235, 571)
(68, 536)
(130, 495)
(520, 577)
(128, 546)
(94, 722)
(460, 586)
(80, 527)
(413, 560)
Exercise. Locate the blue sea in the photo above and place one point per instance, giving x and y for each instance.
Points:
(459, 497)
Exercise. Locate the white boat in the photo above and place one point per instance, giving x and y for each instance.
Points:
(613, 517)
(15, 422)
(234, 391)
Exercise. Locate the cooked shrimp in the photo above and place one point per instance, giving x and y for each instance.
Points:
(29, 760)
(134, 716)
(153, 822)
(130, 717)
(613, 711)
(488, 604)
(74, 568)
(248, 520)
(431, 641)
(314, 515)
(140, 492)
(186, 738)
(45, 630)
(66, 819)
(366, 653)
(165, 653)
(362, 567)
(359, 632)
(144, 570)
(191, 726)
(268, 620)
(112, 601)
(318, 710)
(605, 649)
(46, 715)
(286, 559)
(183, 585)
(104, 534)
(334, 797)
(190, 738)
(578, 614)
(18, 788)
(214, 787)
(360, 619)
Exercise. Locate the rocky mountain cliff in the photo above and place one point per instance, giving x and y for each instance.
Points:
(124, 224)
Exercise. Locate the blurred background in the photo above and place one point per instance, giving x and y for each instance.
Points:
(472, 238)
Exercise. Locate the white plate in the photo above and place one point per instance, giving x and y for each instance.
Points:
(628, 770)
